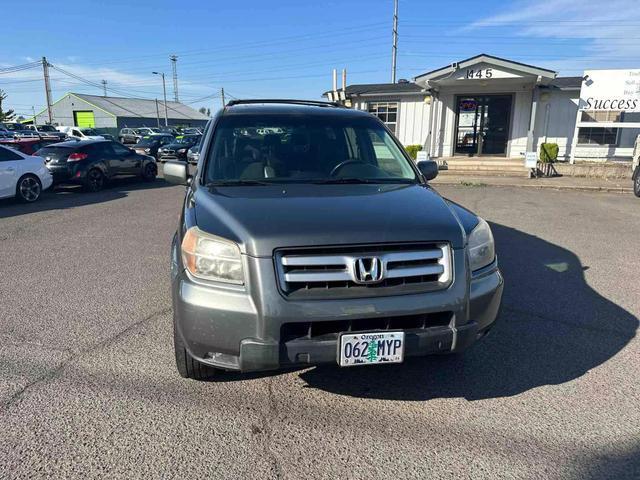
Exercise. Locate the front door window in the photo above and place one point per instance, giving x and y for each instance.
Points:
(482, 124)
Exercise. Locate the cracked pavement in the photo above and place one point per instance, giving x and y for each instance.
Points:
(88, 387)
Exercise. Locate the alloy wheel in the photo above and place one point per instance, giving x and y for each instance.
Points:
(95, 180)
(30, 189)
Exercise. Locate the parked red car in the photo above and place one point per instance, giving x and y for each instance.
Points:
(28, 146)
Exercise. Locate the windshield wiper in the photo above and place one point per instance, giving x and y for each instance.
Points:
(350, 180)
(236, 183)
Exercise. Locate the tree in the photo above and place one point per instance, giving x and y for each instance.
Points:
(372, 351)
(9, 114)
(205, 111)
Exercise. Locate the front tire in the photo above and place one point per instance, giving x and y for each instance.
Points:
(149, 172)
(189, 367)
(94, 181)
(636, 185)
(28, 189)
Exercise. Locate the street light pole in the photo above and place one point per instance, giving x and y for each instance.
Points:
(164, 91)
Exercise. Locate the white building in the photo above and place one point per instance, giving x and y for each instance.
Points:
(491, 106)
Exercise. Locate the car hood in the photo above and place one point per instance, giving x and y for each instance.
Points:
(176, 146)
(263, 218)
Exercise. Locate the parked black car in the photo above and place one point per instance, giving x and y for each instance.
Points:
(92, 162)
(149, 144)
(177, 150)
(636, 181)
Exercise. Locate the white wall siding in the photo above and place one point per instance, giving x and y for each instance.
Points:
(563, 107)
(520, 116)
(413, 119)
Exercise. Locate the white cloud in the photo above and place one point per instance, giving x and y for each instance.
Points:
(608, 32)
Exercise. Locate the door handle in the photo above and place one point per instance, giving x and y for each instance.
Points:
(11, 169)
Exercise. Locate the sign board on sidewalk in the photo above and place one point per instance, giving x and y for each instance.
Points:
(530, 160)
(611, 90)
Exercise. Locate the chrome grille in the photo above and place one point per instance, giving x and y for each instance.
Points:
(335, 272)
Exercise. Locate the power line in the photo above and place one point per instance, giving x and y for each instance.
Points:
(19, 68)
(275, 41)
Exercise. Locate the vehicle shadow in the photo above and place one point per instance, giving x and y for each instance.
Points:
(553, 328)
(67, 196)
(611, 464)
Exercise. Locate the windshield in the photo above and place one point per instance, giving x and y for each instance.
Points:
(188, 140)
(13, 126)
(46, 128)
(89, 131)
(294, 149)
(149, 141)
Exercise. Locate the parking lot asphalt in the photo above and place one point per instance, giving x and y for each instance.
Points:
(88, 386)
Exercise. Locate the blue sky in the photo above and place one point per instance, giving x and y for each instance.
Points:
(287, 48)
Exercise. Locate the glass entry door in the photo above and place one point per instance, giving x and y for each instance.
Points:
(482, 126)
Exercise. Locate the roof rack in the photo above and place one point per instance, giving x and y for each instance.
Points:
(315, 103)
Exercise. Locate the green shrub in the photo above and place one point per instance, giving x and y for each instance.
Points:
(413, 150)
(548, 152)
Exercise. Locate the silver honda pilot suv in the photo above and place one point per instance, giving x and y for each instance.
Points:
(308, 236)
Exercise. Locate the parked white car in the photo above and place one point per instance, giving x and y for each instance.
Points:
(80, 133)
(22, 176)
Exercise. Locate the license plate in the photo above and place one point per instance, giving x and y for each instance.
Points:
(371, 348)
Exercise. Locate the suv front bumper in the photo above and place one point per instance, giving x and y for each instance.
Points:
(238, 328)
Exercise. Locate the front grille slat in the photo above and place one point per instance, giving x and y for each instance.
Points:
(415, 271)
(331, 329)
(332, 272)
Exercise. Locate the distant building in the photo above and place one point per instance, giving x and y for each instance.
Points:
(490, 106)
(82, 110)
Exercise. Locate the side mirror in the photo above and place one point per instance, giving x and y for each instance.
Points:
(176, 172)
(428, 168)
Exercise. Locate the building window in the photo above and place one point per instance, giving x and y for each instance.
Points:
(597, 136)
(601, 116)
(387, 112)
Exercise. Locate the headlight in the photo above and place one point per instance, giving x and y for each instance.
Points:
(147, 150)
(211, 258)
(482, 250)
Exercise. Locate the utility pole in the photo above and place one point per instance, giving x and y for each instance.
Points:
(222, 95)
(164, 91)
(157, 112)
(104, 87)
(47, 87)
(35, 121)
(394, 51)
(174, 67)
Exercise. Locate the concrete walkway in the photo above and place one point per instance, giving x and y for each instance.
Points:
(617, 185)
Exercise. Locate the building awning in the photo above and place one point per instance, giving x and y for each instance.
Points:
(484, 68)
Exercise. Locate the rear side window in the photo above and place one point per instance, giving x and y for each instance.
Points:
(7, 155)
(54, 153)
